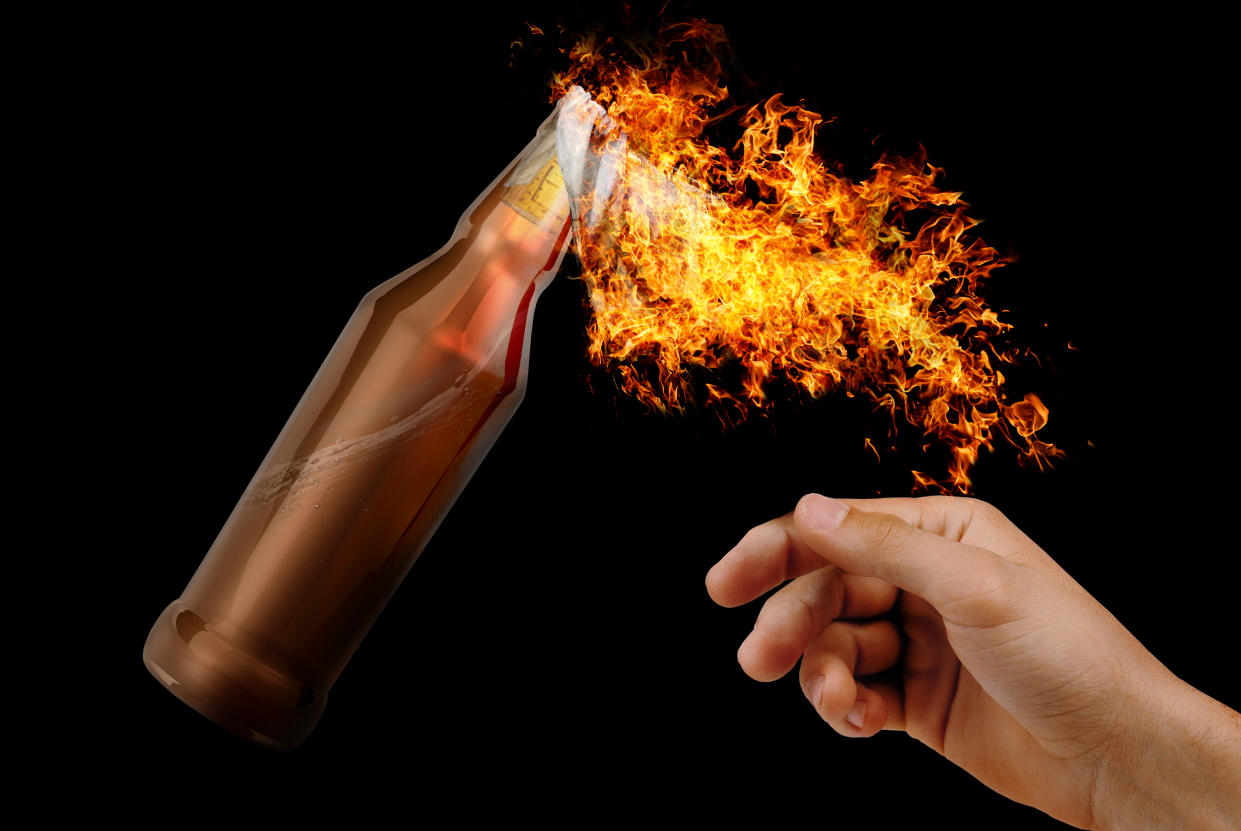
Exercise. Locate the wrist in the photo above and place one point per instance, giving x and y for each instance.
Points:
(1174, 763)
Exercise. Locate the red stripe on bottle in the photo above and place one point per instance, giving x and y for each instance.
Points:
(512, 359)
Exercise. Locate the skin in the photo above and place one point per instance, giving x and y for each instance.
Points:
(990, 653)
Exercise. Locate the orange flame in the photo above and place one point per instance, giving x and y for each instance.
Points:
(766, 260)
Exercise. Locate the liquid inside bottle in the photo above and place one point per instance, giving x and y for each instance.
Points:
(424, 377)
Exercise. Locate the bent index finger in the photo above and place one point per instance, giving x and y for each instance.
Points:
(767, 555)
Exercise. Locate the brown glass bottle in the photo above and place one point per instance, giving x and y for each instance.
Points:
(424, 377)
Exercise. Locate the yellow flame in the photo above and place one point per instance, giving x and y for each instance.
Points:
(783, 268)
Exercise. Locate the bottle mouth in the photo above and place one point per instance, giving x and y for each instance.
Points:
(610, 186)
(591, 149)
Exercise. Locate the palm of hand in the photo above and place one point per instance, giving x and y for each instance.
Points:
(993, 684)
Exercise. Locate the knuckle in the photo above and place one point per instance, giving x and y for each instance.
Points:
(958, 514)
(966, 507)
(981, 512)
(756, 535)
(839, 640)
(876, 645)
(982, 594)
(986, 511)
(938, 504)
(937, 513)
(795, 613)
(765, 541)
(847, 645)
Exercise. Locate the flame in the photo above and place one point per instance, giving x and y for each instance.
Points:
(762, 258)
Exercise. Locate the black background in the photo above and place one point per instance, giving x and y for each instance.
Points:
(554, 652)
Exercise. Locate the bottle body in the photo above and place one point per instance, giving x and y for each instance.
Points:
(426, 374)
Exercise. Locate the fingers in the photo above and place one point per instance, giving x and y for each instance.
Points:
(794, 616)
(849, 558)
(842, 651)
(767, 555)
(779, 550)
(965, 584)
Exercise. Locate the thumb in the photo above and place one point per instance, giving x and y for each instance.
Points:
(965, 584)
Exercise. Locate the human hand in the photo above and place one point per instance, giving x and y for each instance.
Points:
(939, 617)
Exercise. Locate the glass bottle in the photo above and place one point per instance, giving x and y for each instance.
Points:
(426, 374)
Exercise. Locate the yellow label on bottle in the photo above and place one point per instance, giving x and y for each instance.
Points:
(536, 196)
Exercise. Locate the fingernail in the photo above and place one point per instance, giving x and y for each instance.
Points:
(857, 716)
(816, 689)
(821, 513)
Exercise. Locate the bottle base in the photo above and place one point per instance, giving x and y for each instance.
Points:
(228, 686)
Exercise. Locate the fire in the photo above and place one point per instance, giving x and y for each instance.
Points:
(761, 258)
